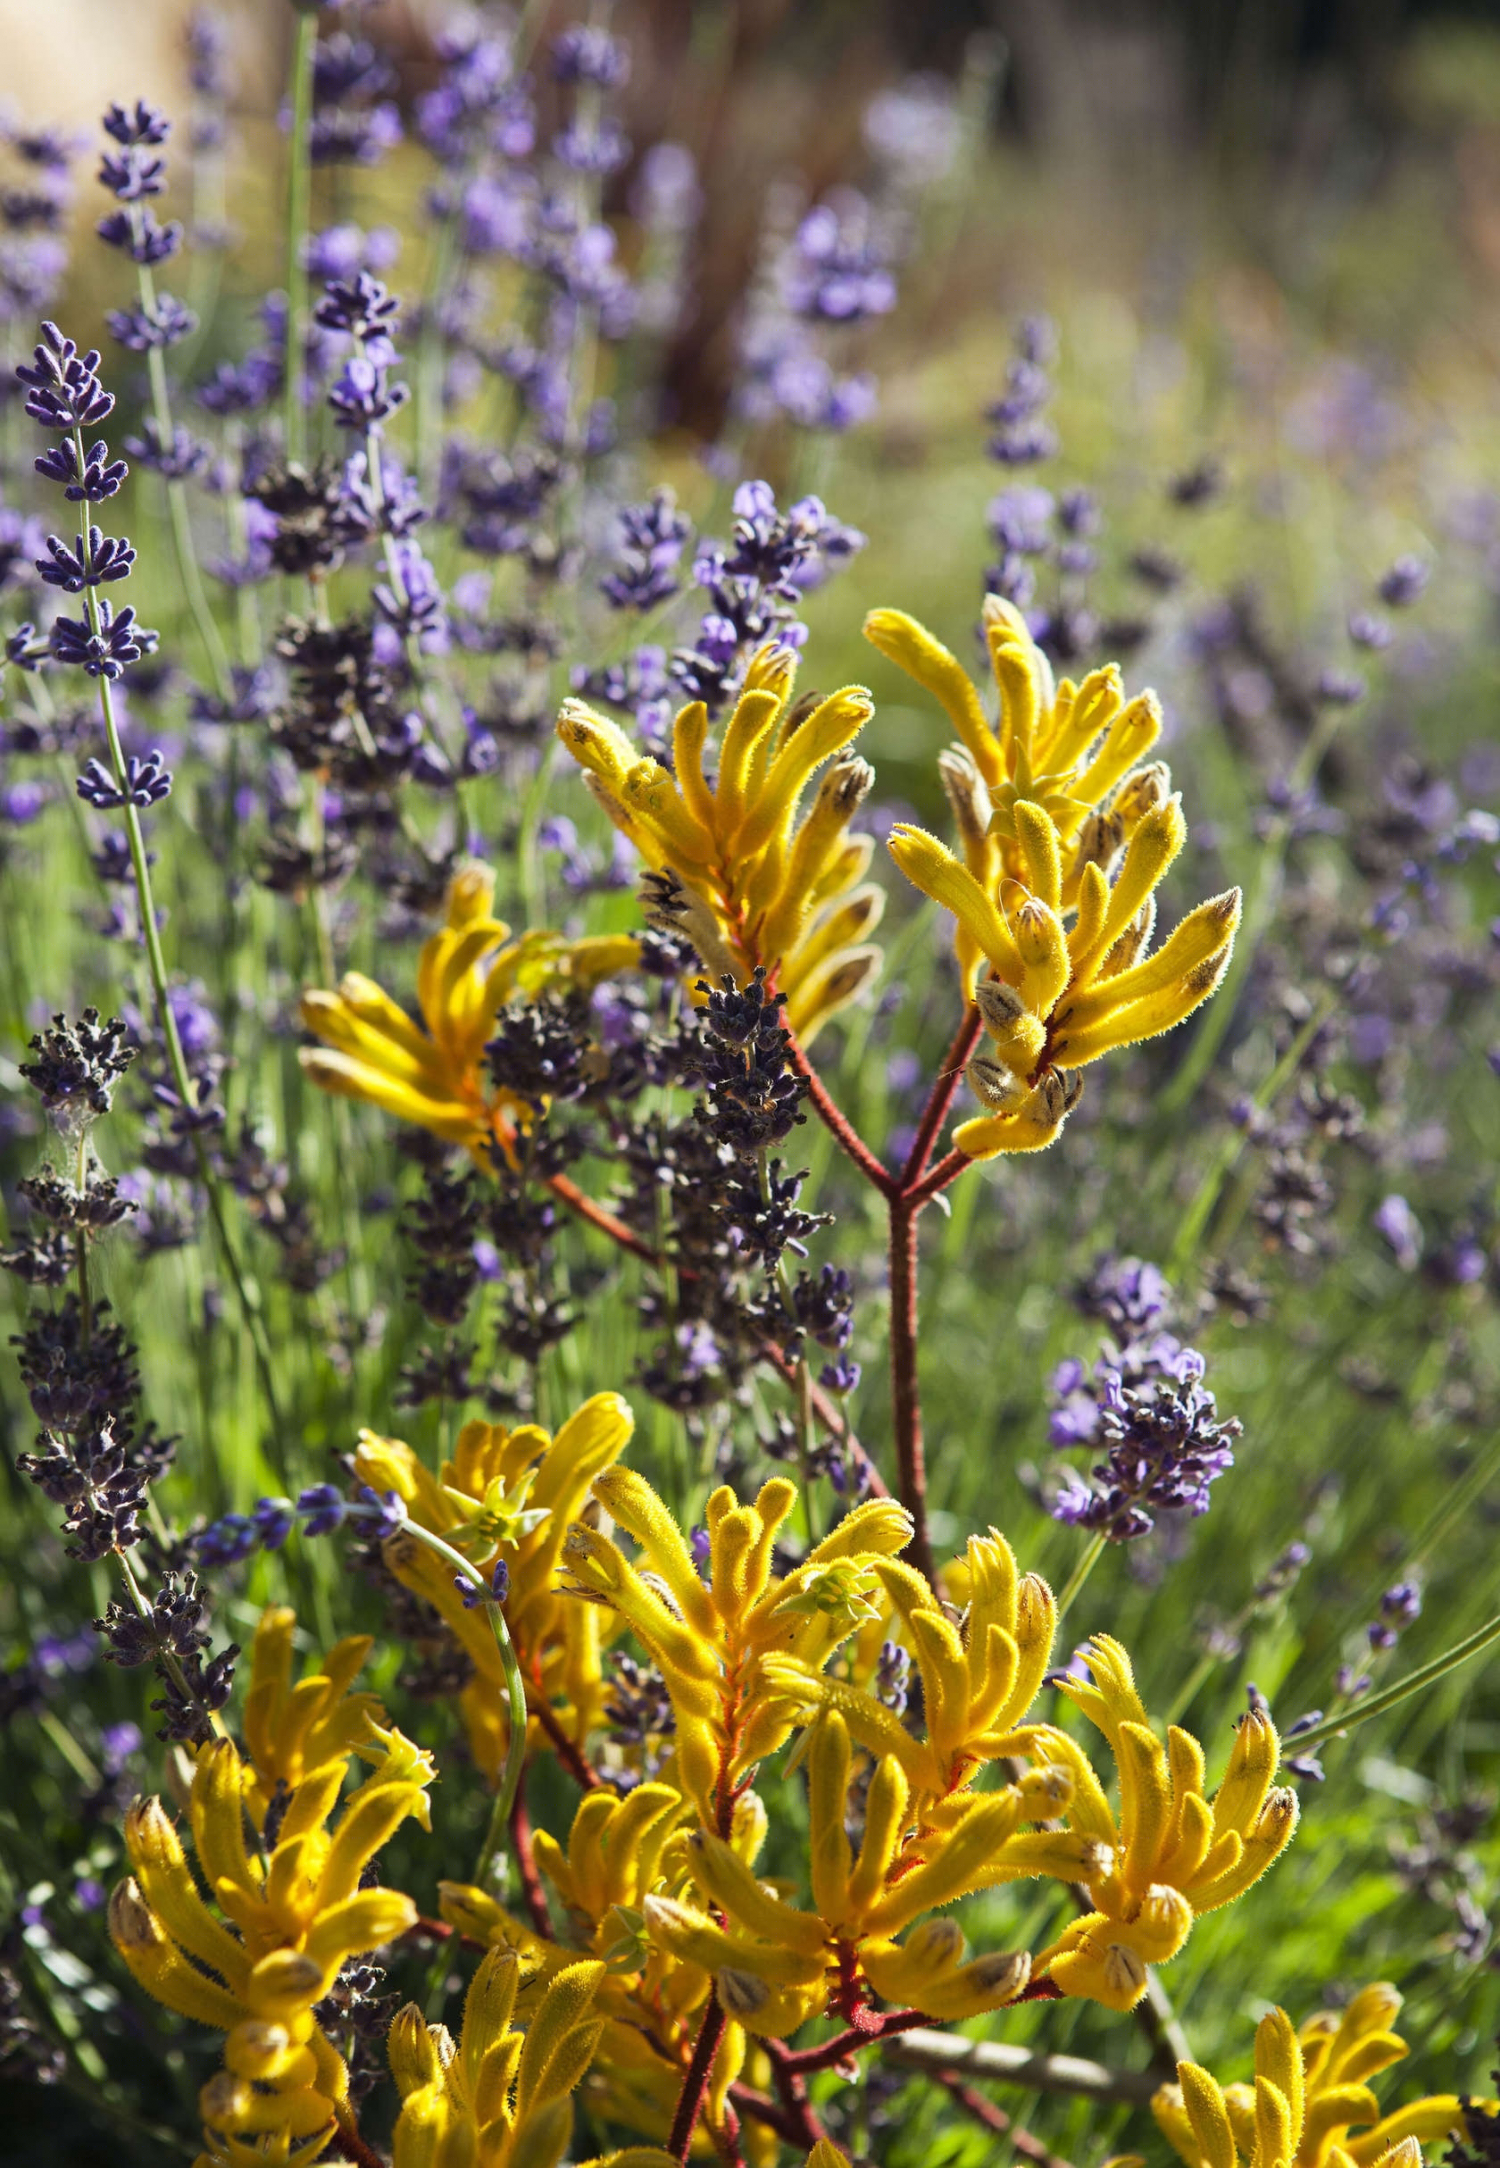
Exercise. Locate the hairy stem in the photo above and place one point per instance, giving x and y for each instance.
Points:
(906, 1403)
(695, 2078)
(940, 1099)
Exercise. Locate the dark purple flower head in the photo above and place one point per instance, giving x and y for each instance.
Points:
(164, 323)
(132, 176)
(362, 396)
(93, 561)
(140, 236)
(140, 123)
(361, 305)
(147, 782)
(105, 653)
(63, 390)
(1146, 1408)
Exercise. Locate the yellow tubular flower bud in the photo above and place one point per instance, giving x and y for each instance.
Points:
(1203, 2104)
(886, 1805)
(829, 1854)
(1021, 672)
(985, 1983)
(754, 714)
(154, 1962)
(691, 1934)
(1199, 938)
(727, 1882)
(1140, 1020)
(1150, 852)
(1043, 854)
(827, 731)
(954, 1870)
(1043, 949)
(913, 649)
(1132, 734)
(932, 868)
(629, 1499)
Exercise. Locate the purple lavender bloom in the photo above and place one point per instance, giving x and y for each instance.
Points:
(1404, 582)
(497, 1591)
(226, 1541)
(21, 803)
(322, 1508)
(1159, 1429)
(585, 54)
(273, 1520)
(139, 236)
(1399, 1226)
(362, 397)
(147, 779)
(341, 252)
(88, 1893)
(652, 536)
(839, 271)
(1020, 519)
(119, 1742)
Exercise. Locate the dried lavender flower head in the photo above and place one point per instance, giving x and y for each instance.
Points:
(75, 1069)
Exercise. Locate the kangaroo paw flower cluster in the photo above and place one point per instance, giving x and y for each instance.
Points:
(1172, 1853)
(1310, 2105)
(433, 1073)
(732, 866)
(508, 1498)
(501, 2096)
(289, 1902)
(1065, 840)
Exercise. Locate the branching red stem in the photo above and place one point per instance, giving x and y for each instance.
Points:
(791, 2086)
(947, 1170)
(944, 1086)
(837, 2050)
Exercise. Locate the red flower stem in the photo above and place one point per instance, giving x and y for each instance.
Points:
(597, 1217)
(944, 1087)
(695, 2080)
(906, 1401)
(791, 2085)
(761, 2108)
(844, 2044)
(568, 1754)
(947, 1170)
(359, 2151)
(995, 2119)
(838, 1125)
(531, 1881)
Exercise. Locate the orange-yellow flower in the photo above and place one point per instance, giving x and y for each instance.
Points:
(432, 1073)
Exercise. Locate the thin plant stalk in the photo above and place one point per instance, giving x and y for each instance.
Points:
(1073, 1586)
(245, 1288)
(298, 211)
(1413, 1683)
